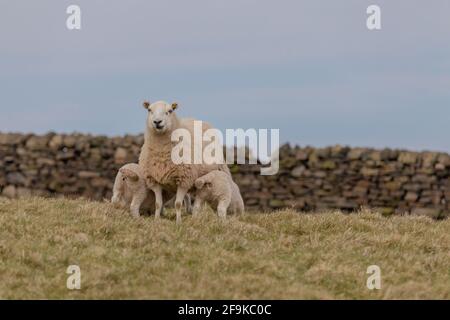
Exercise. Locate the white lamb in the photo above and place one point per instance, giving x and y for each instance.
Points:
(130, 190)
(156, 155)
(220, 191)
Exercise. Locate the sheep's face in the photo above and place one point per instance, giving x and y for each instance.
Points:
(130, 177)
(160, 116)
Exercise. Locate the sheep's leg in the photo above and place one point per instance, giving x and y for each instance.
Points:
(181, 193)
(117, 190)
(136, 205)
(187, 202)
(158, 201)
(197, 206)
(222, 209)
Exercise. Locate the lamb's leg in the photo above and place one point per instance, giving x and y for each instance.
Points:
(136, 204)
(222, 209)
(197, 206)
(158, 200)
(117, 190)
(187, 203)
(181, 193)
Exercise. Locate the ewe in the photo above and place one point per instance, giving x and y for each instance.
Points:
(220, 191)
(156, 156)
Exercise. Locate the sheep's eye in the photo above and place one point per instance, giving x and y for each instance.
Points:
(170, 111)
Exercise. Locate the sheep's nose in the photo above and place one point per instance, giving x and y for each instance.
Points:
(157, 122)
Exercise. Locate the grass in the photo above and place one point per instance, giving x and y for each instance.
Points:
(282, 255)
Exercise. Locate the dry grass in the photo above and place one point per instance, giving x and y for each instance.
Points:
(282, 255)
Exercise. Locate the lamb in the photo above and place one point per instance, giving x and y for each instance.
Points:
(156, 155)
(220, 191)
(130, 190)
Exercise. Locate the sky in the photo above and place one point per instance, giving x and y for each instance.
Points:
(309, 68)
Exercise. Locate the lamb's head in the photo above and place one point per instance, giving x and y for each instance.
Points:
(161, 116)
(201, 183)
(129, 175)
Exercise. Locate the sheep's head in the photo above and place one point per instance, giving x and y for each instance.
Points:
(161, 116)
(129, 175)
(201, 183)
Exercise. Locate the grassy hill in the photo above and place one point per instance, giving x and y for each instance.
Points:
(282, 255)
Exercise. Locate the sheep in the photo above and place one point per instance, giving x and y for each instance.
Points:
(220, 191)
(130, 190)
(156, 155)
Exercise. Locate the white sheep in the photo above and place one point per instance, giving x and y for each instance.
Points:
(156, 155)
(130, 190)
(220, 191)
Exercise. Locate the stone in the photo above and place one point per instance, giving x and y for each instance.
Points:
(411, 196)
(16, 178)
(328, 165)
(360, 191)
(320, 174)
(386, 211)
(36, 143)
(375, 156)
(393, 185)
(9, 192)
(407, 157)
(101, 183)
(69, 141)
(301, 155)
(429, 159)
(297, 172)
(429, 212)
(65, 155)
(45, 162)
(369, 172)
(234, 169)
(355, 154)
(56, 142)
(11, 139)
(276, 203)
(88, 174)
(444, 159)
(120, 156)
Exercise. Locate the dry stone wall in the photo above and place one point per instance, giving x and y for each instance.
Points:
(394, 181)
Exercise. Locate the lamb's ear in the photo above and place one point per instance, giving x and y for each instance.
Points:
(146, 104)
(199, 183)
(129, 174)
(174, 106)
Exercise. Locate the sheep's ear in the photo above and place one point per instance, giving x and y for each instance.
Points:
(129, 174)
(146, 104)
(199, 184)
(174, 106)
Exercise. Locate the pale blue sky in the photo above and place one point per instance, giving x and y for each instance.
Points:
(310, 68)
